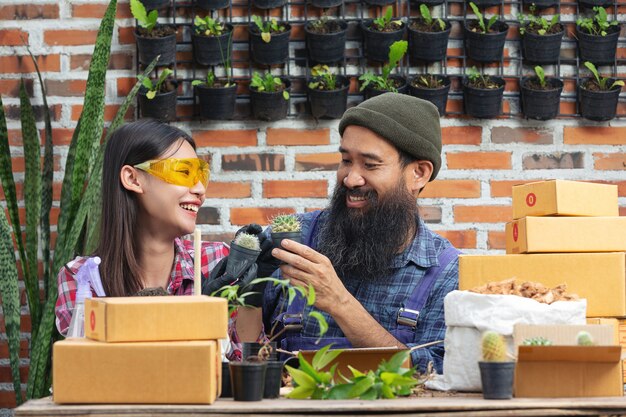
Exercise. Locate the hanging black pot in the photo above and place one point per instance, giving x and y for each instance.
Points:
(485, 47)
(155, 4)
(428, 46)
(377, 43)
(486, 3)
(325, 4)
(598, 49)
(268, 4)
(541, 104)
(590, 4)
(427, 2)
(401, 85)
(483, 102)
(149, 48)
(217, 103)
(437, 96)
(212, 50)
(273, 379)
(378, 2)
(161, 107)
(497, 379)
(270, 106)
(326, 48)
(276, 51)
(212, 4)
(542, 49)
(598, 105)
(227, 391)
(278, 237)
(329, 104)
(248, 380)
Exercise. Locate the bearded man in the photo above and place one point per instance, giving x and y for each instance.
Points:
(379, 274)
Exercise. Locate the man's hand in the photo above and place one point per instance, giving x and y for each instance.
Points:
(304, 266)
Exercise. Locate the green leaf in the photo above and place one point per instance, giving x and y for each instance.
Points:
(301, 378)
(321, 320)
(396, 52)
(146, 82)
(306, 367)
(355, 372)
(341, 392)
(361, 387)
(266, 36)
(151, 94)
(370, 394)
(139, 11)
(299, 393)
(286, 94)
(324, 357)
(387, 392)
(310, 299)
(397, 360)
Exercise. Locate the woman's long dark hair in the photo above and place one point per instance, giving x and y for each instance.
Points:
(131, 144)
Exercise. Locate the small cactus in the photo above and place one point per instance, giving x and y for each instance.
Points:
(494, 347)
(537, 341)
(247, 241)
(285, 223)
(583, 338)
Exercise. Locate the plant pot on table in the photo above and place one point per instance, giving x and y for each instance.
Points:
(542, 49)
(217, 102)
(596, 48)
(326, 45)
(329, 104)
(402, 87)
(483, 102)
(484, 47)
(247, 380)
(270, 106)
(595, 104)
(377, 43)
(438, 96)
(212, 50)
(162, 107)
(427, 45)
(540, 103)
(212, 4)
(160, 41)
(276, 51)
(497, 379)
(227, 391)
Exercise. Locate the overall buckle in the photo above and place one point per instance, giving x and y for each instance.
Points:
(408, 317)
(292, 321)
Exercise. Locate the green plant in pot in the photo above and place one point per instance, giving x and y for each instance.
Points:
(380, 33)
(269, 96)
(597, 37)
(598, 95)
(212, 40)
(157, 98)
(326, 39)
(152, 38)
(484, 39)
(482, 94)
(541, 38)
(244, 250)
(327, 93)
(433, 88)
(269, 40)
(285, 226)
(496, 369)
(541, 95)
(428, 36)
(375, 84)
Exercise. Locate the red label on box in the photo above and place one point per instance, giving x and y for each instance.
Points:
(515, 232)
(92, 320)
(531, 199)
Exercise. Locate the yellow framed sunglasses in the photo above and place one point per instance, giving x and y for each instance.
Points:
(186, 172)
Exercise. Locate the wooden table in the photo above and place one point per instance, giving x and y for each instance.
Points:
(457, 406)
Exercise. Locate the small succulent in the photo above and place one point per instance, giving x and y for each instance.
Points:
(247, 241)
(583, 338)
(285, 223)
(537, 341)
(493, 347)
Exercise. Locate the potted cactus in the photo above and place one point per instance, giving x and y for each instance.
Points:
(374, 84)
(496, 369)
(484, 40)
(540, 95)
(153, 39)
(598, 95)
(326, 40)
(285, 226)
(244, 250)
(428, 37)
(157, 99)
(380, 33)
(597, 37)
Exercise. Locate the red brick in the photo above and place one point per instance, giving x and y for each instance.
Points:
(594, 135)
(70, 37)
(504, 188)
(318, 161)
(124, 85)
(109, 112)
(66, 88)
(126, 35)
(228, 190)
(496, 240)
(482, 214)
(451, 189)
(19, 166)
(54, 216)
(13, 37)
(4, 349)
(24, 64)
(298, 136)
(11, 88)
(224, 138)
(622, 211)
(556, 160)
(96, 11)
(462, 239)
(7, 377)
(461, 135)
(430, 214)
(119, 60)
(19, 191)
(305, 188)
(478, 160)
(29, 11)
(253, 162)
(502, 134)
(610, 161)
(259, 215)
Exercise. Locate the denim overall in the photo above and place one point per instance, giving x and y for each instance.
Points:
(407, 315)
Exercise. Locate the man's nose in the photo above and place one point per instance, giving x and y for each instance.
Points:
(353, 180)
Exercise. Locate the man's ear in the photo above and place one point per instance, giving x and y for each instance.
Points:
(419, 173)
(131, 180)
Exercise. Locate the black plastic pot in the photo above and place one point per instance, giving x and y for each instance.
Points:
(247, 380)
(542, 49)
(149, 48)
(485, 47)
(273, 378)
(329, 104)
(326, 48)
(212, 4)
(325, 4)
(377, 43)
(161, 107)
(598, 105)
(240, 259)
(155, 4)
(403, 88)
(497, 379)
(437, 96)
(429, 46)
(483, 103)
(427, 2)
(589, 4)
(274, 52)
(270, 106)
(217, 103)
(486, 3)
(541, 104)
(278, 237)
(227, 391)
(268, 4)
(378, 2)
(598, 49)
(540, 4)
(213, 50)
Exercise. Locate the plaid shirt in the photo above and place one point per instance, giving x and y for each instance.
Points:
(382, 299)
(181, 279)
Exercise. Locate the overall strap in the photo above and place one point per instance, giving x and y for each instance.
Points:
(409, 314)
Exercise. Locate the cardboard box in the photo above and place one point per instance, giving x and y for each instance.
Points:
(86, 371)
(564, 198)
(614, 323)
(566, 234)
(565, 335)
(363, 359)
(145, 319)
(598, 277)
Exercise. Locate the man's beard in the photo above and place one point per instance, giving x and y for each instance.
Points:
(363, 243)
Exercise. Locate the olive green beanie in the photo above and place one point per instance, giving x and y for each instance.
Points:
(410, 123)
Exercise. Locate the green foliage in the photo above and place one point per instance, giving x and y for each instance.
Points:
(154, 88)
(541, 75)
(493, 347)
(430, 81)
(384, 21)
(383, 82)
(484, 28)
(479, 80)
(537, 341)
(268, 83)
(584, 338)
(325, 79)
(598, 24)
(541, 24)
(388, 381)
(146, 20)
(248, 241)
(285, 223)
(428, 19)
(267, 28)
(600, 79)
(208, 26)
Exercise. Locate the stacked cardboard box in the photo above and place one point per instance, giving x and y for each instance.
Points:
(143, 350)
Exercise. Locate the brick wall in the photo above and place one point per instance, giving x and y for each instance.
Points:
(260, 169)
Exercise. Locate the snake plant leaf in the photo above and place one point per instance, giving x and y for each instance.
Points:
(32, 202)
(10, 301)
